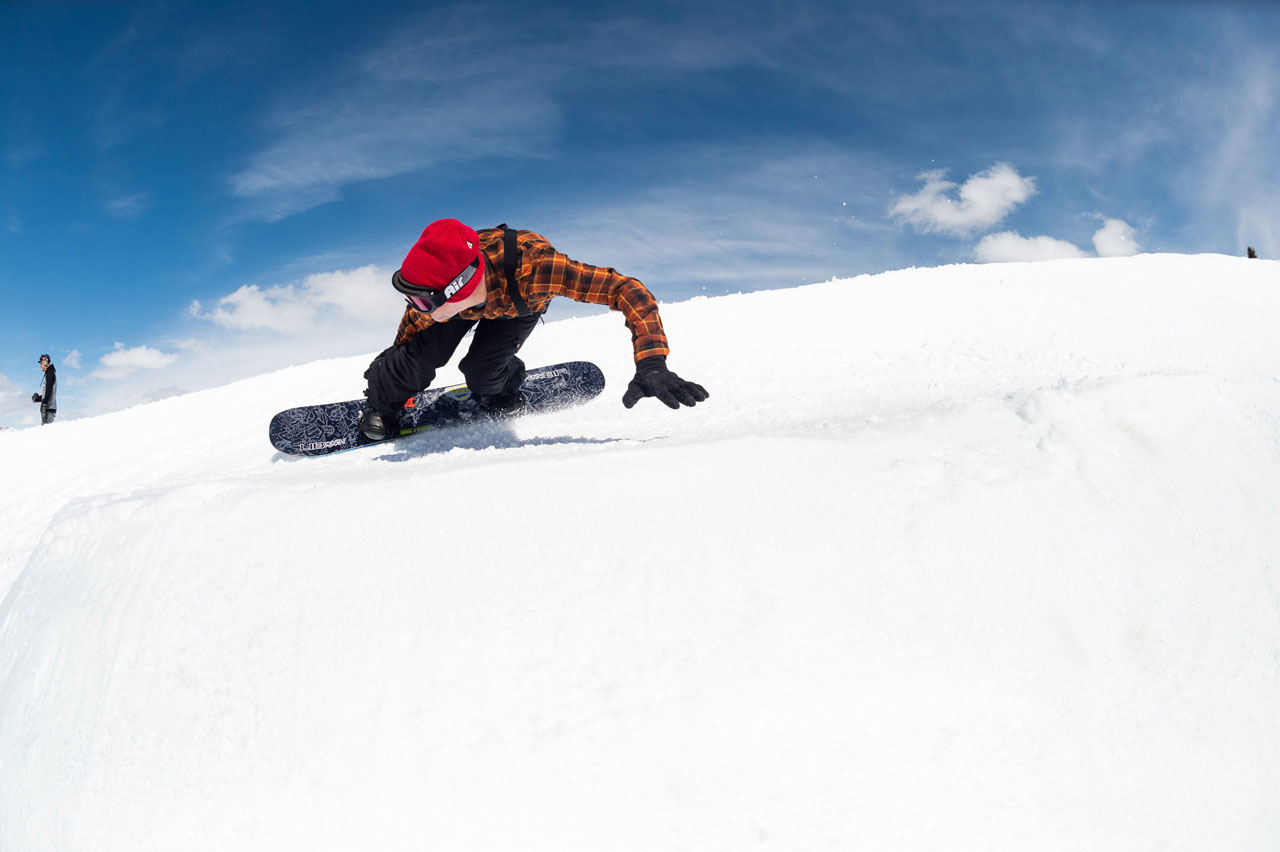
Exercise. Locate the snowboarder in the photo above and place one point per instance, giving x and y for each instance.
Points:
(501, 281)
(48, 398)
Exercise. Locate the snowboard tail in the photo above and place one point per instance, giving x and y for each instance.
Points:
(317, 430)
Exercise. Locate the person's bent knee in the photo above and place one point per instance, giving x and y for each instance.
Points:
(490, 379)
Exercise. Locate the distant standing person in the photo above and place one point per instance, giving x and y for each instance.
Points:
(48, 398)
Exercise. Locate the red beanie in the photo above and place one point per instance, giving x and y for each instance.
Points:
(443, 252)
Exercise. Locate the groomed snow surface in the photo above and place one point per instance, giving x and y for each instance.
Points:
(979, 557)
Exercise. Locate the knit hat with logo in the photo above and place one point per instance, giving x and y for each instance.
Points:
(440, 257)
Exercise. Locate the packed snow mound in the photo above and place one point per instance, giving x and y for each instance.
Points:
(972, 557)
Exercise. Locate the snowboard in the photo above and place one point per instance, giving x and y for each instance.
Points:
(317, 430)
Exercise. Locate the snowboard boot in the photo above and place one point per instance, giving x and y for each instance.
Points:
(373, 425)
(502, 404)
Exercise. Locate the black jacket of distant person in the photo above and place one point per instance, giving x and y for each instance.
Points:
(48, 395)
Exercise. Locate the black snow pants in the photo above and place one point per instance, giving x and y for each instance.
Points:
(490, 365)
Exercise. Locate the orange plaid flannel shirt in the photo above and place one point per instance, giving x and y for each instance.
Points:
(544, 273)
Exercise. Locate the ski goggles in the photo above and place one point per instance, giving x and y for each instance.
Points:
(428, 299)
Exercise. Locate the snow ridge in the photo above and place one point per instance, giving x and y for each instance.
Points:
(972, 557)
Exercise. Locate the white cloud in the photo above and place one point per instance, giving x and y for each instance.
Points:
(983, 200)
(1115, 239)
(361, 294)
(15, 403)
(1010, 246)
(253, 330)
(250, 307)
(72, 359)
(364, 294)
(121, 362)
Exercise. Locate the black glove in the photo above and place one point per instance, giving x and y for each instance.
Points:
(35, 397)
(654, 379)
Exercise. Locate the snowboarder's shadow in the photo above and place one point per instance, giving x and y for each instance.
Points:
(487, 436)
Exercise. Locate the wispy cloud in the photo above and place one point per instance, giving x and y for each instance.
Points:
(739, 219)
(681, 46)
(321, 150)
(24, 152)
(128, 206)
(442, 91)
(1194, 147)
(984, 200)
(1241, 182)
(436, 92)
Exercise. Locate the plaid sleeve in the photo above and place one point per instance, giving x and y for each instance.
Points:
(556, 274)
(410, 324)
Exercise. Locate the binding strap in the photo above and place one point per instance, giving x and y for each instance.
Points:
(510, 259)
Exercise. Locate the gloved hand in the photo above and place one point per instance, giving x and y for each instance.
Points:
(654, 379)
(35, 397)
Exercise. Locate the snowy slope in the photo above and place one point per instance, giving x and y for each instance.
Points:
(979, 557)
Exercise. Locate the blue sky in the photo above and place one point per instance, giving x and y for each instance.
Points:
(196, 192)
